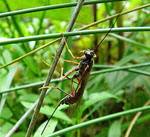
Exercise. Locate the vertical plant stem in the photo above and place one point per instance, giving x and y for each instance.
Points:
(48, 79)
(121, 47)
(95, 42)
(40, 27)
(67, 55)
(17, 27)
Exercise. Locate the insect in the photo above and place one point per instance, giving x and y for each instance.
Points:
(82, 73)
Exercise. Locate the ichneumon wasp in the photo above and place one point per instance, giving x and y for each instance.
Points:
(82, 73)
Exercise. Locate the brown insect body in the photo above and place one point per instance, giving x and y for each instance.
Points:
(84, 70)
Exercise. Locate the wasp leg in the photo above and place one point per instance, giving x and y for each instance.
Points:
(82, 76)
(56, 88)
(76, 69)
(74, 57)
(72, 88)
(78, 79)
(71, 79)
(45, 62)
(69, 61)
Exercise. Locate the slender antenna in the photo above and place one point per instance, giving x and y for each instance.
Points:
(109, 29)
(50, 118)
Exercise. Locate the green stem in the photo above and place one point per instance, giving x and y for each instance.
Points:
(50, 7)
(67, 34)
(97, 120)
(124, 68)
(110, 69)
(134, 43)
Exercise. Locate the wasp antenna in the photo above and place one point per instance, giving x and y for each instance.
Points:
(110, 28)
(50, 118)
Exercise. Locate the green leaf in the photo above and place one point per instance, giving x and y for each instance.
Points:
(49, 110)
(26, 104)
(134, 43)
(5, 128)
(123, 82)
(29, 97)
(96, 97)
(115, 129)
(6, 84)
(134, 55)
(58, 114)
(49, 129)
(19, 134)
(6, 113)
(28, 60)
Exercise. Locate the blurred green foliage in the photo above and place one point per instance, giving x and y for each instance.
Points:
(104, 94)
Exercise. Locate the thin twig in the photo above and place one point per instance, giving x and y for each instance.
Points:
(134, 120)
(53, 66)
(40, 83)
(113, 16)
(29, 53)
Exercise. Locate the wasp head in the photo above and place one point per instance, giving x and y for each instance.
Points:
(89, 54)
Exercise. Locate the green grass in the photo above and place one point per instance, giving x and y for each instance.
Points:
(117, 88)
